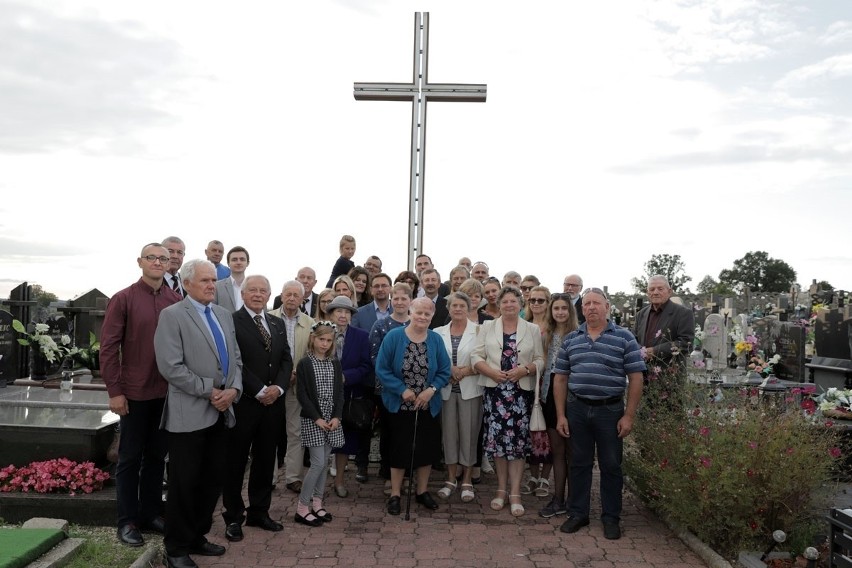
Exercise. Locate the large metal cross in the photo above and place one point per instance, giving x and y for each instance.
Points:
(419, 91)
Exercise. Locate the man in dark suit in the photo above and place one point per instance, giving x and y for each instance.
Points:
(307, 276)
(573, 285)
(177, 250)
(664, 328)
(267, 365)
(430, 282)
(196, 349)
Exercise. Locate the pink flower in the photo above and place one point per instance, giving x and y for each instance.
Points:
(790, 451)
(750, 473)
(752, 445)
(835, 452)
(704, 431)
(705, 461)
(829, 423)
(658, 334)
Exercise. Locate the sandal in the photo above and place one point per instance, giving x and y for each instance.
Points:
(498, 502)
(447, 490)
(543, 489)
(516, 508)
(467, 494)
(530, 486)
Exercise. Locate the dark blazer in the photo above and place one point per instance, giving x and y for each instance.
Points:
(578, 307)
(262, 368)
(675, 329)
(306, 390)
(366, 316)
(341, 267)
(442, 314)
(356, 363)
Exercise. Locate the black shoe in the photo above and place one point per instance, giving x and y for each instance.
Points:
(178, 561)
(612, 531)
(234, 532)
(130, 535)
(156, 525)
(573, 524)
(265, 523)
(310, 519)
(295, 486)
(208, 549)
(394, 507)
(322, 515)
(476, 480)
(426, 500)
(361, 476)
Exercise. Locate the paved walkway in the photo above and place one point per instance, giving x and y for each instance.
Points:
(457, 535)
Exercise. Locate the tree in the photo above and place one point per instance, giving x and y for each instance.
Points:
(42, 297)
(709, 285)
(760, 273)
(668, 265)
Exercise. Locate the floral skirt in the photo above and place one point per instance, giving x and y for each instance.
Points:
(506, 421)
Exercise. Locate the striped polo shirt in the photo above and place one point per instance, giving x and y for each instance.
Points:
(598, 369)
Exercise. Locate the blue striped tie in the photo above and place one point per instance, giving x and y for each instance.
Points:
(220, 341)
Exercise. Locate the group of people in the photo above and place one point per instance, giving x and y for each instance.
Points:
(199, 370)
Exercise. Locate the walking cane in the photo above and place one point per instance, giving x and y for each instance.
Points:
(411, 469)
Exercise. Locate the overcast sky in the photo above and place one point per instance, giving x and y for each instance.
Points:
(612, 131)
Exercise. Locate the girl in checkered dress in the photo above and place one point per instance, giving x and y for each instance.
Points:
(319, 387)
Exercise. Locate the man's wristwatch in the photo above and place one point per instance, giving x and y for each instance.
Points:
(433, 387)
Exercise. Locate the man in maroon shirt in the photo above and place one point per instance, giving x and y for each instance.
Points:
(137, 393)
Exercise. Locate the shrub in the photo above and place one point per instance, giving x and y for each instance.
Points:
(732, 465)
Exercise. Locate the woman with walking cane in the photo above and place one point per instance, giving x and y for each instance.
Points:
(412, 366)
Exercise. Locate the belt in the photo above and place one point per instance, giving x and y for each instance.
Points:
(599, 401)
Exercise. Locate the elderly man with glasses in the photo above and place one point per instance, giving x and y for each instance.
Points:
(596, 365)
(573, 284)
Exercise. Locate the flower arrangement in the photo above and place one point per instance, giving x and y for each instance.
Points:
(53, 476)
(699, 337)
(764, 367)
(746, 346)
(46, 345)
(88, 356)
(836, 403)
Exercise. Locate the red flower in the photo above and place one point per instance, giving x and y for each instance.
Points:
(808, 405)
(835, 452)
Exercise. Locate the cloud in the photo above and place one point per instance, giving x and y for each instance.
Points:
(13, 250)
(837, 33)
(79, 82)
(834, 67)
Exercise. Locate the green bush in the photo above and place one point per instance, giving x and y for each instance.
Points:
(731, 465)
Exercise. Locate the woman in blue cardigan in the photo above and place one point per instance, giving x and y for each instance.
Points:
(413, 366)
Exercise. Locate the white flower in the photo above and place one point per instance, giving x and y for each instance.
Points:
(42, 328)
(65, 340)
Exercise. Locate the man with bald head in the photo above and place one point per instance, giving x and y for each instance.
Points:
(664, 328)
(267, 368)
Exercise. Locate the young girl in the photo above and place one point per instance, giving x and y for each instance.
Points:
(319, 387)
(344, 264)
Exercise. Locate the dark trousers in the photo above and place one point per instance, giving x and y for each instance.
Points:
(141, 455)
(257, 431)
(595, 427)
(196, 463)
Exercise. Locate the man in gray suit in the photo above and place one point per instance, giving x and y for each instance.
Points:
(229, 290)
(196, 350)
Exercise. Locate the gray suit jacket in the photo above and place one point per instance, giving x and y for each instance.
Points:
(188, 360)
(225, 295)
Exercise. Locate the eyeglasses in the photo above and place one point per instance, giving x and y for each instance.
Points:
(572, 285)
(537, 301)
(526, 288)
(153, 257)
(560, 296)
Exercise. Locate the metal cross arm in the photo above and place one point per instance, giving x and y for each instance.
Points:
(449, 92)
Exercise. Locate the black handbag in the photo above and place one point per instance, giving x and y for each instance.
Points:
(358, 414)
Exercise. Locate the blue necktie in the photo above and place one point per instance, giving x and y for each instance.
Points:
(220, 341)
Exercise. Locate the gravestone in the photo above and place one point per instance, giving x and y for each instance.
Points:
(788, 342)
(19, 304)
(8, 349)
(86, 312)
(742, 321)
(831, 337)
(716, 338)
(700, 314)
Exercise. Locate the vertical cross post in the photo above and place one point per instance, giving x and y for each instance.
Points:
(419, 92)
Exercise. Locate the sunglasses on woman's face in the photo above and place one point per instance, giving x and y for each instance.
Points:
(537, 301)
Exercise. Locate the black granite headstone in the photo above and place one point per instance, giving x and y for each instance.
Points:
(832, 335)
(789, 343)
(8, 349)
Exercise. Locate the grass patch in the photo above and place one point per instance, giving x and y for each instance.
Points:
(103, 550)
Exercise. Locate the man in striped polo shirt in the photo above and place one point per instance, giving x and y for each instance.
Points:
(591, 375)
